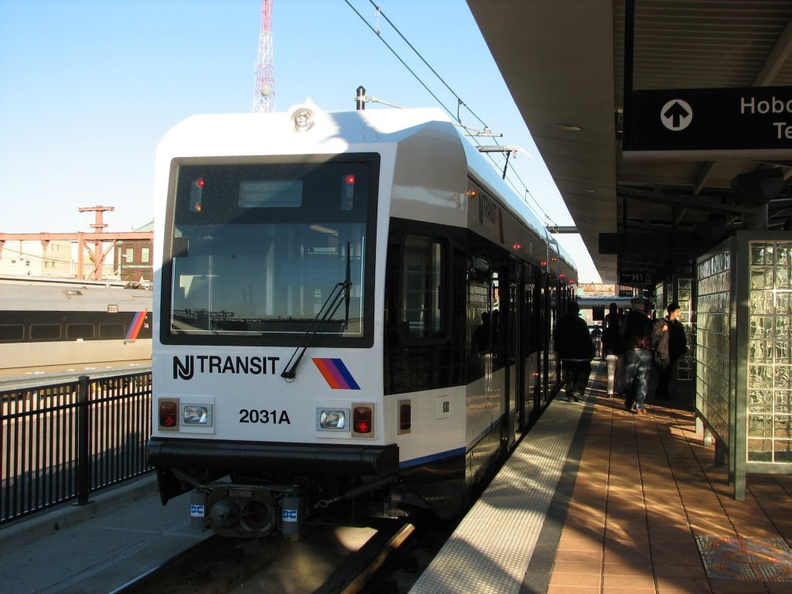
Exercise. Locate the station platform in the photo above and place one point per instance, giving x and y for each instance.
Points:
(594, 500)
(599, 500)
(95, 548)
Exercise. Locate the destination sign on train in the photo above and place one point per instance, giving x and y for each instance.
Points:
(752, 118)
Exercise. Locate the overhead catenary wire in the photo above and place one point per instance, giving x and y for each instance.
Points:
(398, 57)
(460, 103)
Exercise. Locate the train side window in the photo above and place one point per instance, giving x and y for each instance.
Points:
(45, 332)
(423, 308)
(111, 331)
(79, 331)
(12, 332)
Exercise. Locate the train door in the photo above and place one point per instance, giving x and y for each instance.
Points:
(483, 375)
(531, 346)
(549, 363)
(498, 381)
(514, 359)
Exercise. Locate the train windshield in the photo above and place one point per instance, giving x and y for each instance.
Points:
(275, 248)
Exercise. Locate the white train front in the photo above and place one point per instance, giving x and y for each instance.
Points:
(352, 309)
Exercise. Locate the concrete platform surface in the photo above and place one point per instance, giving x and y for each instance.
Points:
(94, 548)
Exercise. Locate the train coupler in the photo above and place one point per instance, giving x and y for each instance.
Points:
(247, 511)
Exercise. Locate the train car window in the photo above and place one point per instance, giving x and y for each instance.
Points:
(260, 250)
(45, 332)
(79, 330)
(111, 331)
(423, 311)
(12, 332)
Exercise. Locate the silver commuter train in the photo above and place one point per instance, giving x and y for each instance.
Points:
(352, 309)
(50, 325)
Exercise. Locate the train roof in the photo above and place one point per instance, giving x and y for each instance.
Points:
(487, 174)
(250, 134)
(60, 295)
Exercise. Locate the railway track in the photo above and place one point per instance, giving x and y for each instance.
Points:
(328, 560)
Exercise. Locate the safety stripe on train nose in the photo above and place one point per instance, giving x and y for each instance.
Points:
(336, 374)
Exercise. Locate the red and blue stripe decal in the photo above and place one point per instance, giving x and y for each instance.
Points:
(136, 325)
(336, 374)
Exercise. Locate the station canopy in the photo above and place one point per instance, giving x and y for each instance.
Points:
(666, 124)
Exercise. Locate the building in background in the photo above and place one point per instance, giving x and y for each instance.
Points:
(86, 256)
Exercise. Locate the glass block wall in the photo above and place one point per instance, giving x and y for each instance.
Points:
(713, 356)
(769, 364)
(685, 365)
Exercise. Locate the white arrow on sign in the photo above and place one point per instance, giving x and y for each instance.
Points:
(676, 115)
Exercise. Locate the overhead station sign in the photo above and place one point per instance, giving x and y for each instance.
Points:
(743, 119)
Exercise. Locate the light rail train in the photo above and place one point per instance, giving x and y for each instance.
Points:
(352, 309)
(53, 325)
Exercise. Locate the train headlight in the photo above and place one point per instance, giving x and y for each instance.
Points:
(332, 419)
(303, 119)
(199, 415)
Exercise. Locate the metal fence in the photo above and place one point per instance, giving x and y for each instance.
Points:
(62, 441)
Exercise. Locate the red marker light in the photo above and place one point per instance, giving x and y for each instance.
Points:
(348, 192)
(196, 194)
(361, 419)
(167, 414)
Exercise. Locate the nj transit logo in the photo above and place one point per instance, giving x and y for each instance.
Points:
(190, 365)
(336, 374)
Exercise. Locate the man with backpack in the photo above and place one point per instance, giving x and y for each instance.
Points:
(637, 334)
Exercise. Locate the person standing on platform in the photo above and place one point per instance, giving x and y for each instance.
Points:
(670, 342)
(613, 350)
(575, 350)
(596, 338)
(637, 334)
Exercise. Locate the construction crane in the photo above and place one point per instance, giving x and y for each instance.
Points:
(264, 93)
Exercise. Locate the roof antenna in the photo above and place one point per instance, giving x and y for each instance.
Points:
(360, 99)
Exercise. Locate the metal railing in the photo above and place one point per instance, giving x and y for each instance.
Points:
(63, 441)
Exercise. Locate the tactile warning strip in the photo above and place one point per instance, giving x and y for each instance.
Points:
(492, 547)
(755, 559)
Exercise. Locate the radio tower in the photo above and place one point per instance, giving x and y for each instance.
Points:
(264, 93)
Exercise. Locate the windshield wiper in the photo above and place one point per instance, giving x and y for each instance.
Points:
(341, 292)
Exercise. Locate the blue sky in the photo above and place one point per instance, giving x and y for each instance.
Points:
(88, 87)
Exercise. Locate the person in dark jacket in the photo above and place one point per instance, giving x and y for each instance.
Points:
(637, 334)
(668, 337)
(575, 349)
